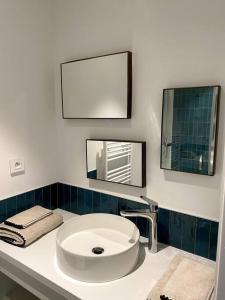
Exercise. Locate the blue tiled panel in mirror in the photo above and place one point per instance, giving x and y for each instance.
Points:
(186, 232)
(188, 129)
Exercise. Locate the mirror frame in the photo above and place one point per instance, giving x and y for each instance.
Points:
(215, 124)
(143, 161)
(129, 85)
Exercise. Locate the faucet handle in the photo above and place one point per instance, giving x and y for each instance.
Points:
(153, 205)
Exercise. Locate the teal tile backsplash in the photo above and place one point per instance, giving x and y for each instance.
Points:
(186, 232)
(191, 129)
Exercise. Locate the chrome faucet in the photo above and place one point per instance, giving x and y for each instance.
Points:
(151, 214)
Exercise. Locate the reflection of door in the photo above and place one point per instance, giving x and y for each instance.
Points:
(118, 161)
(167, 131)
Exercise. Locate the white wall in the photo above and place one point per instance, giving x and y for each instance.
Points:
(220, 280)
(221, 256)
(174, 43)
(27, 117)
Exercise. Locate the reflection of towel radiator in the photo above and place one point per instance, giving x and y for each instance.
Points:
(118, 162)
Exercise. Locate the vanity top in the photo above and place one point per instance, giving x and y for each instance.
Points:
(39, 262)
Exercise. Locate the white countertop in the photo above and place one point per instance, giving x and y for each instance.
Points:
(39, 262)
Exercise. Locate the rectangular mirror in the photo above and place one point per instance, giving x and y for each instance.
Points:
(122, 162)
(97, 87)
(189, 129)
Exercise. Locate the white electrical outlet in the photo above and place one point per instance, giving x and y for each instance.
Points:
(16, 166)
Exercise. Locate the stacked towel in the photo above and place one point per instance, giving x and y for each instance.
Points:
(26, 227)
(28, 217)
(185, 279)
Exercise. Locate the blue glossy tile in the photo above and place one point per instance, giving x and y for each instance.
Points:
(38, 195)
(54, 196)
(73, 199)
(80, 201)
(60, 196)
(3, 210)
(30, 200)
(213, 240)
(96, 202)
(113, 203)
(143, 206)
(133, 205)
(163, 225)
(88, 201)
(11, 207)
(84, 201)
(188, 233)
(67, 197)
(47, 196)
(104, 203)
(133, 220)
(108, 204)
(175, 229)
(202, 237)
(21, 202)
(143, 225)
(122, 204)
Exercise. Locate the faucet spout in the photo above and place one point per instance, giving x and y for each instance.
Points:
(151, 215)
(153, 205)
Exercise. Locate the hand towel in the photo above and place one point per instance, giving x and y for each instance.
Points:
(185, 279)
(28, 217)
(24, 237)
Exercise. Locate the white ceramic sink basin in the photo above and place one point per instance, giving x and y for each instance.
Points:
(97, 247)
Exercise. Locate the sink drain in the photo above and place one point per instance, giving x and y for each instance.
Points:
(97, 250)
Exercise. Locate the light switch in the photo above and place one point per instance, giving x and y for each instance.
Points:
(16, 166)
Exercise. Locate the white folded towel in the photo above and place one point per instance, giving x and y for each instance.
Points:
(185, 279)
(28, 217)
(24, 237)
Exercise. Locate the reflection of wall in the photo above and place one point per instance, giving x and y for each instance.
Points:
(173, 45)
(94, 148)
(136, 164)
(191, 129)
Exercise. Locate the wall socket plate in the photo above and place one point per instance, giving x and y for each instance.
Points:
(17, 166)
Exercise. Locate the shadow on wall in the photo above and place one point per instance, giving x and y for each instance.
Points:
(192, 179)
(117, 188)
(98, 123)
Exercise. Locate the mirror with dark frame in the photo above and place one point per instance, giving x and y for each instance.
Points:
(97, 87)
(189, 129)
(117, 161)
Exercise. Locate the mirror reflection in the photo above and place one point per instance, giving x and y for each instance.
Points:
(97, 87)
(116, 161)
(189, 129)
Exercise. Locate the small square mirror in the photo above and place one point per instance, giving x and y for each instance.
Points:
(117, 161)
(189, 129)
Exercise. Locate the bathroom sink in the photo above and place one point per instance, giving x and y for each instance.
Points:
(97, 247)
